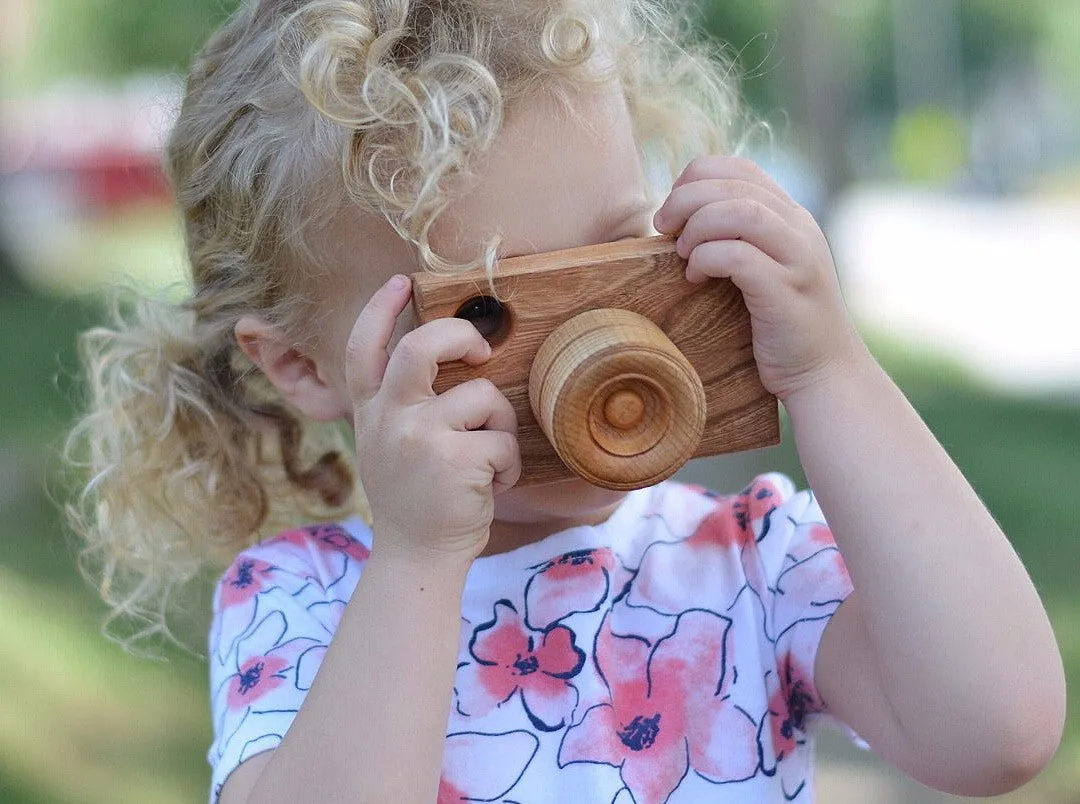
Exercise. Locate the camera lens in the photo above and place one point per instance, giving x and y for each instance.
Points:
(488, 315)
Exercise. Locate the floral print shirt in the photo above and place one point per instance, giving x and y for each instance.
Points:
(663, 657)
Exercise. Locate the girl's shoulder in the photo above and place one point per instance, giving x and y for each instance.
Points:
(776, 485)
(693, 516)
(683, 507)
(767, 527)
(350, 537)
(326, 555)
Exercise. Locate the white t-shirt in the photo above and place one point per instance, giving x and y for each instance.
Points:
(665, 656)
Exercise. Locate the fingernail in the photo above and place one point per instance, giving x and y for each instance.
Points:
(398, 282)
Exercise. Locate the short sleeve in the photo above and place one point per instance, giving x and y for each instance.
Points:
(275, 611)
(798, 572)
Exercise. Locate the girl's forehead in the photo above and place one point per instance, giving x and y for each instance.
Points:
(558, 175)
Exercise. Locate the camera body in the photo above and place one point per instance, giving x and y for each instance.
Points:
(618, 368)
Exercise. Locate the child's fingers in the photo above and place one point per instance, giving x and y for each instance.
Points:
(745, 220)
(416, 358)
(367, 355)
(685, 200)
(730, 167)
(752, 271)
(477, 405)
(500, 450)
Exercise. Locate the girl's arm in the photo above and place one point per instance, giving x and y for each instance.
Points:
(942, 658)
(373, 725)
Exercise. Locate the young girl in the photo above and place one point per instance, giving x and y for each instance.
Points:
(562, 643)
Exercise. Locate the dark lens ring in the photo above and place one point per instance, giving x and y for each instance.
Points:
(487, 314)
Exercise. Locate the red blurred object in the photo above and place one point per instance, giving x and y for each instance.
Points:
(90, 148)
(111, 177)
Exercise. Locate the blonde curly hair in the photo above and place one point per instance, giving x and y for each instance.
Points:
(294, 111)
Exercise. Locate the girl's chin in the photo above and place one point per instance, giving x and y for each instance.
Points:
(527, 515)
(572, 498)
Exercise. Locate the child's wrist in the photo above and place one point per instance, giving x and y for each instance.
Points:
(846, 372)
(419, 560)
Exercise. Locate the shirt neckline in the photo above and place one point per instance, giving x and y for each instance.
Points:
(581, 537)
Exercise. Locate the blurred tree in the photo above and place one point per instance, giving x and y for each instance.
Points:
(750, 35)
(993, 33)
(114, 37)
(827, 66)
(107, 38)
(10, 281)
(834, 67)
(789, 63)
(929, 145)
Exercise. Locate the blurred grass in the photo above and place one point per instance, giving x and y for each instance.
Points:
(82, 721)
(78, 253)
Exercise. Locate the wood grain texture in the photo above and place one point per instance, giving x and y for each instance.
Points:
(620, 403)
(708, 323)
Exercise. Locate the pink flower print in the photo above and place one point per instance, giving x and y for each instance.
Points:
(752, 507)
(257, 676)
(510, 659)
(327, 554)
(669, 711)
(810, 541)
(469, 775)
(578, 581)
(245, 579)
(791, 699)
(334, 537)
(329, 537)
(259, 679)
(704, 570)
(237, 602)
(812, 583)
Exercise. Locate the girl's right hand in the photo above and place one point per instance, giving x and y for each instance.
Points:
(429, 464)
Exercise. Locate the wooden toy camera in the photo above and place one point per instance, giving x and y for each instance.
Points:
(619, 369)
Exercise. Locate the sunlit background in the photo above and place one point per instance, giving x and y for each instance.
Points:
(938, 141)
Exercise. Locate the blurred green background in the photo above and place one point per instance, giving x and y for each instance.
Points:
(957, 119)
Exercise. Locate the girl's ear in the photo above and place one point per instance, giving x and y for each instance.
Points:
(298, 377)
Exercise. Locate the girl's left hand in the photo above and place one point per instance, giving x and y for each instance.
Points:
(736, 222)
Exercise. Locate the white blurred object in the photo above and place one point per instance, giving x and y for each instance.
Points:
(795, 174)
(994, 283)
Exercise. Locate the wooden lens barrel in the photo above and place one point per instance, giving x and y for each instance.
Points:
(621, 405)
